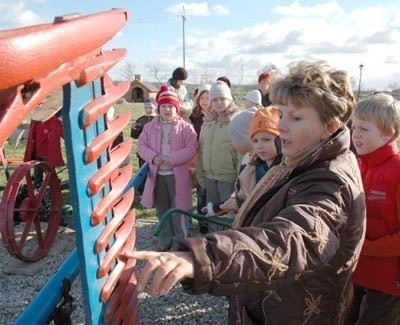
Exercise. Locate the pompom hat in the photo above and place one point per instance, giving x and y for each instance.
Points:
(220, 89)
(167, 95)
(265, 120)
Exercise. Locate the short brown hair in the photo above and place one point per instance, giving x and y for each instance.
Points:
(326, 89)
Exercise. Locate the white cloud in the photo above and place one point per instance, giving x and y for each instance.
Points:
(191, 9)
(324, 31)
(220, 10)
(319, 10)
(15, 14)
(198, 9)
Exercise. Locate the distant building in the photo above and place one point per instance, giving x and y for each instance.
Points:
(140, 90)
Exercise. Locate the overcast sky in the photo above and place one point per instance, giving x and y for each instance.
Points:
(238, 38)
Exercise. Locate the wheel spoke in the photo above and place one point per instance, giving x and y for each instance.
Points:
(39, 234)
(30, 188)
(25, 210)
(43, 187)
(25, 234)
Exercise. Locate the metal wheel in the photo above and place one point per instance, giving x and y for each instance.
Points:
(30, 215)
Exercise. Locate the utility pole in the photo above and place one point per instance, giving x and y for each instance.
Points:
(183, 33)
(361, 66)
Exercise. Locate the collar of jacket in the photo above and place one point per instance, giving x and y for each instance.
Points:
(380, 155)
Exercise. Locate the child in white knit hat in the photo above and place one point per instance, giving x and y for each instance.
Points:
(253, 100)
(217, 162)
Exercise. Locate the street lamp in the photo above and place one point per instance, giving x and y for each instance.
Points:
(361, 66)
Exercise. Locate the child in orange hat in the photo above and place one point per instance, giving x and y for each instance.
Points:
(264, 136)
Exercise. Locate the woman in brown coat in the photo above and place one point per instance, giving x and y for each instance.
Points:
(296, 240)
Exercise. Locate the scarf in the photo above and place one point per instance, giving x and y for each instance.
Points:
(261, 170)
(273, 176)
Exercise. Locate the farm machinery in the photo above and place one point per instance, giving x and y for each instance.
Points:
(35, 61)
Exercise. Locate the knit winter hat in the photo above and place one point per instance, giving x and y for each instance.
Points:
(220, 89)
(265, 120)
(167, 95)
(150, 102)
(238, 129)
(254, 96)
(180, 74)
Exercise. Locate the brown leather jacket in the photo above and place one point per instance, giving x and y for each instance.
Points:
(292, 260)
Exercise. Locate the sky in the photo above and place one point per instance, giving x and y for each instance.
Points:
(239, 38)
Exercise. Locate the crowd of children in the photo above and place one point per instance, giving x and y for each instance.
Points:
(243, 153)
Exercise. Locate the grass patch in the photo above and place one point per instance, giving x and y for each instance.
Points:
(136, 110)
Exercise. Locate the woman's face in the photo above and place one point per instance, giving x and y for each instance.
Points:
(299, 128)
(220, 104)
(167, 112)
(263, 85)
(204, 102)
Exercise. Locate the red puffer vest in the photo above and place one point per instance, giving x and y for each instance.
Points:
(380, 171)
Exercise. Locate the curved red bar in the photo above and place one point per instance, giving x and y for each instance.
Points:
(20, 47)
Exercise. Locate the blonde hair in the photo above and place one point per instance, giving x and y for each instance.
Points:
(326, 89)
(382, 109)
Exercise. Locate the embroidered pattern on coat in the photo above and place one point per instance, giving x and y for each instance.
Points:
(312, 305)
(275, 259)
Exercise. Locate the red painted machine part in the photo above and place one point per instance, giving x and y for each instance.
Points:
(30, 216)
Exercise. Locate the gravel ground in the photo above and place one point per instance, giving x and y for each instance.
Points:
(17, 291)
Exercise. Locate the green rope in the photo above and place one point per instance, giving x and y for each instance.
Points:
(221, 221)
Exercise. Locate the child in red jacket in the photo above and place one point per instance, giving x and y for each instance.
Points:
(376, 128)
(45, 133)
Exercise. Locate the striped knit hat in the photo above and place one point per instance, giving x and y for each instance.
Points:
(167, 95)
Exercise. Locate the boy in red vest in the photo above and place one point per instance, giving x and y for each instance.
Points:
(376, 128)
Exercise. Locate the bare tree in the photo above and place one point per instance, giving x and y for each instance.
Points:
(394, 86)
(127, 72)
(205, 77)
(268, 67)
(155, 71)
(353, 83)
(241, 71)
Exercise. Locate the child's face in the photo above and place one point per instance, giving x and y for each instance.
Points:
(366, 136)
(204, 102)
(148, 110)
(168, 112)
(220, 104)
(263, 85)
(249, 104)
(264, 146)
